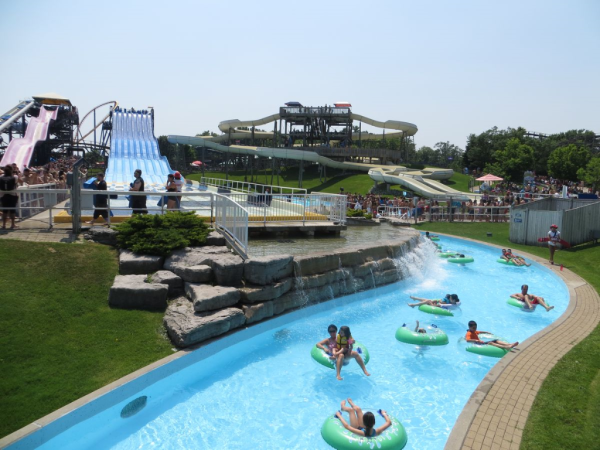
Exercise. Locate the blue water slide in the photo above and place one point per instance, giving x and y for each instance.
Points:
(133, 146)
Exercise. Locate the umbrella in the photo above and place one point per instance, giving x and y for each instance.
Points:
(489, 177)
(197, 163)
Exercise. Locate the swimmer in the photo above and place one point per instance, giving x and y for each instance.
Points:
(328, 345)
(344, 349)
(473, 336)
(530, 299)
(362, 424)
(449, 299)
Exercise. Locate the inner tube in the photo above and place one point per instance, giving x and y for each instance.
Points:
(434, 336)
(509, 263)
(487, 350)
(446, 254)
(521, 305)
(334, 433)
(434, 238)
(323, 358)
(461, 260)
(435, 310)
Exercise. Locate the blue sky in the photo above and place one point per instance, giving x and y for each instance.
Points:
(450, 67)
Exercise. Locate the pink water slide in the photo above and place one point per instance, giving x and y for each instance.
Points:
(20, 150)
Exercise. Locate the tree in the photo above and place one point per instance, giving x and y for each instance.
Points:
(207, 133)
(564, 162)
(591, 173)
(481, 148)
(447, 153)
(513, 160)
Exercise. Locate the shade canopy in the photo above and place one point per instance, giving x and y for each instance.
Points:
(489, 177)
(51, 98)
(197, 163)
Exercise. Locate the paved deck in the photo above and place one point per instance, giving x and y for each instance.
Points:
(495, 415)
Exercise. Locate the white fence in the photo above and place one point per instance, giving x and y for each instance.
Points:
(232, 220)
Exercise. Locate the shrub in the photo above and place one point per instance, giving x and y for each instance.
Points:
(355, 213)
(368, 216)
(161, 234)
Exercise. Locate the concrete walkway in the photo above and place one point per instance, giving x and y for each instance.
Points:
(495, 415)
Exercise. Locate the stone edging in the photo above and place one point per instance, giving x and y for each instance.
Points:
(496, 413)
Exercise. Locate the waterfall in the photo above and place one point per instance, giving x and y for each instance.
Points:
(300, 285)
(372, 277)
(347, 275)
(413, 262)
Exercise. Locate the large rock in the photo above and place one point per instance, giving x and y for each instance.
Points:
(208, 298)
(133, 292)
(266, 269)
(133, 264)
(228, 270)
(185, 327)
(255, 294)
(169, 279)
(258, 311)
(311, 264)
(321, 279)
(194, 256)
(215, 238)
(102, 235)
(194, 274)
(291, 300)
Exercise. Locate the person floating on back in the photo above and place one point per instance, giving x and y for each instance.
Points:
(362, 424)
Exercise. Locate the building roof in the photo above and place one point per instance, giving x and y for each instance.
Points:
(51, 98)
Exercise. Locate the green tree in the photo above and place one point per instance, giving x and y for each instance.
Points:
(591, 173)
(564, 162)
(207, 133)
(514, 160)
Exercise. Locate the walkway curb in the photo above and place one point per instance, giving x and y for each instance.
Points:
(495, 415)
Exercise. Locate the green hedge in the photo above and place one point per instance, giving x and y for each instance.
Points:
(161, 234)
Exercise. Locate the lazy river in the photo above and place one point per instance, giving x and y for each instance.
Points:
(259, 387)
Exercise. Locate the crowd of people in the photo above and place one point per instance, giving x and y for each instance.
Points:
(55, 172)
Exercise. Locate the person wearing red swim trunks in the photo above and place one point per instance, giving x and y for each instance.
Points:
(530, 299)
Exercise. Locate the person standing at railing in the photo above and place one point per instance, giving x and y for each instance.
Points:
(9, 197)
(100, 200)
(138, 202)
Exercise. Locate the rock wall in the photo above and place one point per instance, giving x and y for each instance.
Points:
(214, 291)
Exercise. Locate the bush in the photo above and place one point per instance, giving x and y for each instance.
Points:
(161, 234)
(368, 216)
(355, 213)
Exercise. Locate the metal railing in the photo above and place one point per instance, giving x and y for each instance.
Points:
(446, 213)
(232, 220)
(247, 187)
(36, 198)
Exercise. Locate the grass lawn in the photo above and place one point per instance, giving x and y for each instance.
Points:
(60, 340)
(566, 411)
(360, 183)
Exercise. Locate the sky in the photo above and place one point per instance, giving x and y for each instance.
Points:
(453, 68)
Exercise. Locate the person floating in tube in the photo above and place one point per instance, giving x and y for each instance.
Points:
(362, 424)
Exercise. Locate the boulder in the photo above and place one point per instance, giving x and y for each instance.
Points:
(133, 292)
(387, 277)
(133, 264)
(194, 256)
(288, 301)
(215, 238)
(255, 294)
(172, 281)
(228, 270)
(185, 327)
(311, 264)
(194, 274)
(102, 235)
(266, 269)
(258, 311)
(321, 279)
(208, 298)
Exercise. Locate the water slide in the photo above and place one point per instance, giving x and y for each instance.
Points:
(133, 146)
(422, 182)
(20, 150)
(10, 116)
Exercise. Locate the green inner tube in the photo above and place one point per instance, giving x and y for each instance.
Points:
(435, 310)
(465, 260)
(323, 358)
(434, 238)
(446, 254)
(508, 263)
(522, 305)
(432, 337)
(488, 350)
(334, 433)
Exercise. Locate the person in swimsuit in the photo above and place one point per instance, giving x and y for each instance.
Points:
(420, 330)
(344, 349)
(473, 336)
(362, 424)
(518, 260)
(328, 345)
(449, 299)
(530, 299)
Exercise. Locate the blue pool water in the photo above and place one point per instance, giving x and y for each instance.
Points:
(259, 388)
